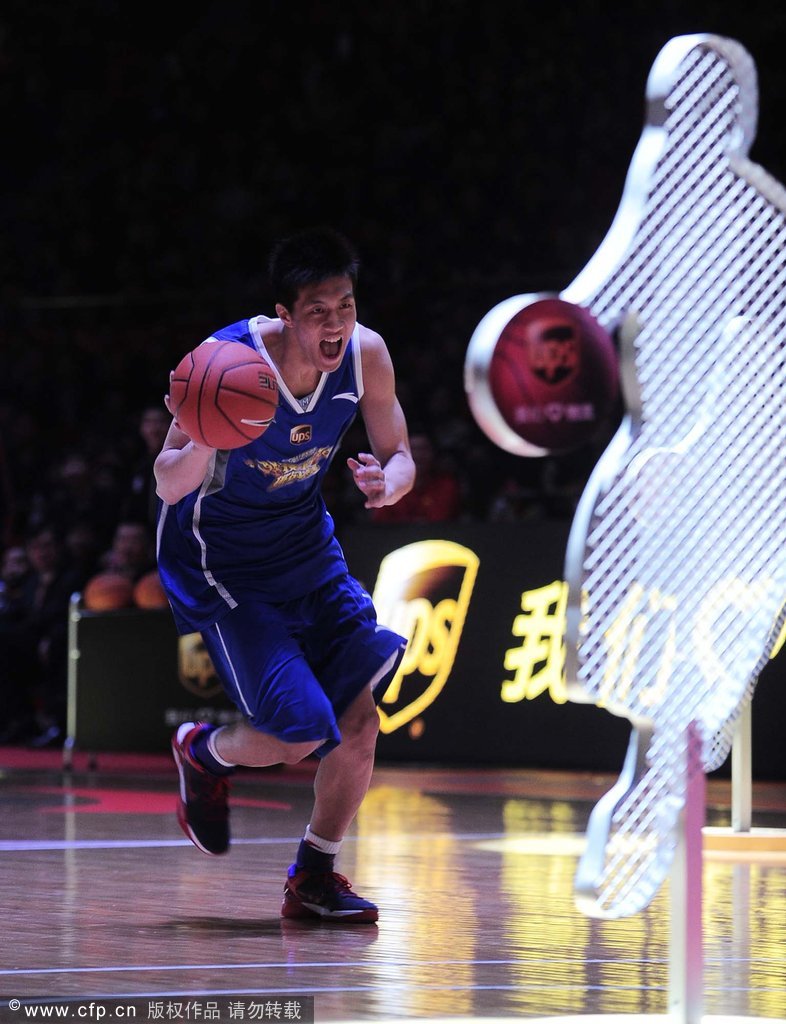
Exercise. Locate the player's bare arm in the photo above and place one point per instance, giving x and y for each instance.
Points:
(181, 464)
(386, 473)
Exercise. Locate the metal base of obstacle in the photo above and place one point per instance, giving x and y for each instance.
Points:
(741, 837)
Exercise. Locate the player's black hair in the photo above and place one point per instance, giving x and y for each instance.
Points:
(307, 258)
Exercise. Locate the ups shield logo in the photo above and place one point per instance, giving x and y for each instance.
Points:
(194, 667)
(423, 592)
(300, 434)
(553, 349)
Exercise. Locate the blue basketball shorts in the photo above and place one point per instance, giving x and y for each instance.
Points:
(293, 668)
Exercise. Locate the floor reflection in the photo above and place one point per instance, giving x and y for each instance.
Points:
(473, 872)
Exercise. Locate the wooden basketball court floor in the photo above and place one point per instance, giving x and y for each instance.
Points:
(105, 902)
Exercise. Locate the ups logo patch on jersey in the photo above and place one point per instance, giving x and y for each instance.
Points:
(300, 434)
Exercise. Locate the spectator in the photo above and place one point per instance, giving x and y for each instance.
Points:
(14, 570)
(141, 502)
(131, 553)
(436, 496)
(47, 593)
(82, 549)
(79, 490)
(17, 648)
(514, 502)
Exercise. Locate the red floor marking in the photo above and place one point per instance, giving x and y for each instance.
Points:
(130, 801)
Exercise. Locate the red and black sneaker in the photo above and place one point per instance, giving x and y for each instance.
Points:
(203, 808)
(324, 895)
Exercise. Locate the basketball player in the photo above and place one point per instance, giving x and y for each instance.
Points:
(248, 557)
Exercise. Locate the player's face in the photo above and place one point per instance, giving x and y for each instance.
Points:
(322, 318)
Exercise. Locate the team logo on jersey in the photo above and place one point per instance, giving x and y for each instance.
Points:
(301, 434)
(292, 471)
(194, 667)
(423, 592)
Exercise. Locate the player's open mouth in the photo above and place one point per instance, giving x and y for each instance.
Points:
(330, 349)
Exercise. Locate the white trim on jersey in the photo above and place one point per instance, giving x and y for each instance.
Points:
(232, 668)
(385, 669)
(297, 405)
(160, 527)
(358, 360)
(195, 520)
(253, 329)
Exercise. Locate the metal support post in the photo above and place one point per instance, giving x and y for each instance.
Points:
(686, 967)
(742, 772)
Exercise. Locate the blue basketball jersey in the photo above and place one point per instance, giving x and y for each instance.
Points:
(258, 526)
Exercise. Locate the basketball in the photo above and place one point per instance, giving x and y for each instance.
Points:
(223, 394)
(148, 592)
(549, 379)
(108, 592)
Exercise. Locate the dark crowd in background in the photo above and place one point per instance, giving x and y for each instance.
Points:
(151, 162)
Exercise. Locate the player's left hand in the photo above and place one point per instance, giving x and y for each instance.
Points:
(370, 479)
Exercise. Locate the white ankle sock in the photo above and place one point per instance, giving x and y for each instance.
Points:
(325, 845)
(211, 746)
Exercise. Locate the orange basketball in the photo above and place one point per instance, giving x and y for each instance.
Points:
(108, 592)
(148, 592)
(224, 394)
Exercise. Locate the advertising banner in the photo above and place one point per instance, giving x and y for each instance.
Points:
(482, 682)
(483, 679)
